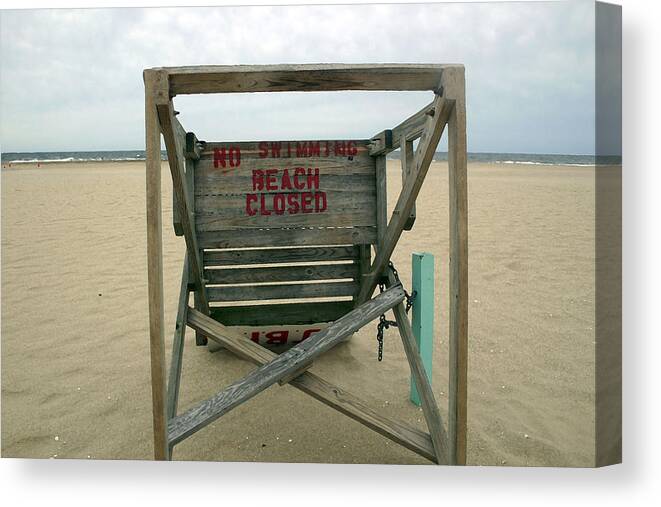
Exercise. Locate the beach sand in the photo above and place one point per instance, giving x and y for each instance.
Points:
(75, 356)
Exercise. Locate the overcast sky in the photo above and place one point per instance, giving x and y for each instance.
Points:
(72, 79)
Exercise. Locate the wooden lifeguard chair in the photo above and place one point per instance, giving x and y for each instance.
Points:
(282, 233)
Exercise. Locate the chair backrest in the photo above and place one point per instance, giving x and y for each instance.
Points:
(284, 227)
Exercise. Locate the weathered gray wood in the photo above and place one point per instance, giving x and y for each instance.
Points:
(407, 163)
(192, 149)
(288, 237)
(381, 198)
(176, 163)
(289, 291)
(189, 169)
(280, 255)
(454, 84)
(329, 394)
(257, 185)
(422, 160)
(288, 362)
(155, 267)
(410, 129)
(429, 407)
(282, 314)
(364, 265)
(282, 274)
(230, 216)
(307, 77)
(178, 343)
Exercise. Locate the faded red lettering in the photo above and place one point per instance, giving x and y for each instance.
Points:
(279, 204)
(277, 337)
(257, 179)
(292, 201)
(313, 178)
(250, 198)
(271, 180)
(299, 184)
(320, 203)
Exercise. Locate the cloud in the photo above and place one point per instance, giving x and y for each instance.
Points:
(72, 79)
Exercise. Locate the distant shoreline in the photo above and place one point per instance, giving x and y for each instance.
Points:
(24, 158)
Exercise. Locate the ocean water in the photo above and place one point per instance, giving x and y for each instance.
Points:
(135, 155)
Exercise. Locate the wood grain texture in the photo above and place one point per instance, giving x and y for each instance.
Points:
(283, 313)
(306, 77)
(176, 163)
(289, 291)
(259, 185)
(174, 376)
(429, 407)
(422, 160)
(454, 84)
(320, 389)
(381, 199)
(282, 274)
(280, 255)
(155, 266)
(407, 163)
(287, 237)
(278, 368)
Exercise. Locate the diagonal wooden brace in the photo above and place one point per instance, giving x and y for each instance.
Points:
(400, 215)
(329, 394)
(429, 406)
(291, 361)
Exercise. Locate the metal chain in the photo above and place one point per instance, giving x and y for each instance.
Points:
(383, 322)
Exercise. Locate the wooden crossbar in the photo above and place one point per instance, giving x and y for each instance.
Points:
(410, 129)
(306, 77)
(329, 394)
(291, 361)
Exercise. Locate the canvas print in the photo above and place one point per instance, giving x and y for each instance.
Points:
(383, 234)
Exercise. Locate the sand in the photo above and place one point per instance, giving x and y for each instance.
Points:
(75, 360)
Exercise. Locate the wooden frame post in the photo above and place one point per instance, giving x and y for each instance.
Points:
(453, 82)
(422, 267)
(155, 270)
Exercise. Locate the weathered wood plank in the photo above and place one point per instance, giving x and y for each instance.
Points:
(178, 343)
(155, 267)
(288, 237)
(423, 158)
(327, 393)
(228, 218)
(429, 407)
(284, 314)
(242, 184)
(407, 163)
(280, 255)
(454, 84)
(306, 77)
(290, 291)
(176, 163)
(410, 129)
(364, 264)
(278, 368)
(254, 185)
(381, 199)
(281, 274)
(189, 167)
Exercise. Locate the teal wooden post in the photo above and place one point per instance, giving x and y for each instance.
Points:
(423, 313)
